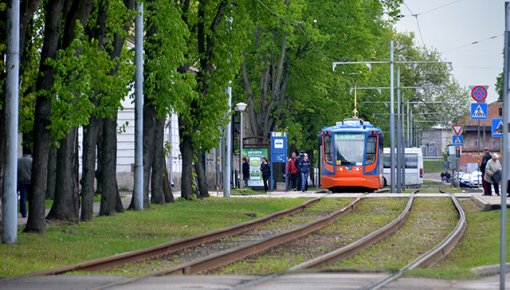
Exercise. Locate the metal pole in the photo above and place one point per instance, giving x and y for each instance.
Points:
(408, 142)
(506, 143)
(403, 149)
(241, 176)
(392, 120)
(399, 145)
(10, 196)
(138, 186)
(228, 140)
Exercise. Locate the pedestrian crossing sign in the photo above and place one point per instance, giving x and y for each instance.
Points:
(497, 127)
(457, 140)
(478, 111)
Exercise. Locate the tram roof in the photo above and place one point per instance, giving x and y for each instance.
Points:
(351, 125)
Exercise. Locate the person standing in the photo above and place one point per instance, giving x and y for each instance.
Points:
(266, 172)
(304, 167)
(486, 157)
(493, 165)
(298, 159)
(246, 171)
(24, 179)
(293, 171)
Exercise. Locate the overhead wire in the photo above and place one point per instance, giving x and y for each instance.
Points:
(473, 43)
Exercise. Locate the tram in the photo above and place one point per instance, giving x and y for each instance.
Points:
(351, 156)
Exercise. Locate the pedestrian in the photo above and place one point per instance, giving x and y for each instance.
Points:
(486, 157)
(304, 167)
(266, 172)
(293, 171)
(492, 170)
(24, 179)
(298, 159)
(246, 171)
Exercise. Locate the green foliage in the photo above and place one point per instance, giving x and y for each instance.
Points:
(499, 87)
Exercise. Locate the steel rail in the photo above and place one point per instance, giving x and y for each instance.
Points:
(235, 254)
(163, 249)
(357, 246)
(437, 253)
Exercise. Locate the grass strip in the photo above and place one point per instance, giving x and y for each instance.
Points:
(431, 220)
(104, 236)
(370, 215)
(479, 247)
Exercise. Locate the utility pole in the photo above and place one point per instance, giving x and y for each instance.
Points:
(228, 146)
(10, 196)
(506, 143)
(138, 186)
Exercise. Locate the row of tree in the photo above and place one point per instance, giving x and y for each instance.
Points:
(77, 66)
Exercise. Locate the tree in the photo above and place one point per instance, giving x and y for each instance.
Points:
(499, 87)
(217, 38)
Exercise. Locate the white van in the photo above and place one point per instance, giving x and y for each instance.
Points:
(413, 167)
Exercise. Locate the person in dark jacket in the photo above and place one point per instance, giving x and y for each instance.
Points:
(296, 162)
(24, 180)
(266, 172)
(304, 166)
(486, 157)
(246, 171)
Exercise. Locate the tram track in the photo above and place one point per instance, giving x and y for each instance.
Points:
(232, 255)
(171, 247)
(435, 254)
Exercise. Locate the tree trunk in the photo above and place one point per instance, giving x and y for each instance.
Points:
(158, 163)
(52, 173)
(36, 221)
(203, 191)
(65, 206)
(108, 173)
(89, 169)
(2, 143)
(169, 197)
(186, 147)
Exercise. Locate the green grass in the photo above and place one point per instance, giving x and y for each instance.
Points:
(104, 236)
(246, 191)
(433, 165)
(370, 215)
(431, 220)
(479, 247)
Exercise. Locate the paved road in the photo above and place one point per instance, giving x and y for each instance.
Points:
(303, 281)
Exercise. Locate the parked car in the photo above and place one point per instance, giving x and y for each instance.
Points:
(476, 178)
(463, 179)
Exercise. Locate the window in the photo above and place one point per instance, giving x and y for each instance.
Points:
(328, 150)
(349, 148)
(500, 111)
(411, 161)
(371, 149)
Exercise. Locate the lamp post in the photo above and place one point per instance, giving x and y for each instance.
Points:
(241, 107)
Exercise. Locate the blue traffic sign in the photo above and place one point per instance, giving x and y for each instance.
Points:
(478, 111)
(457, 140)
(497, 127)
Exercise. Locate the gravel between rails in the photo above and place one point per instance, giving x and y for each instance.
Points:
(318, 210)
(370, 215)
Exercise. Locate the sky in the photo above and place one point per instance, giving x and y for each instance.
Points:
(468, 33)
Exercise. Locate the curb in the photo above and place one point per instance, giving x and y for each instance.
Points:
(489, 270)
(480, 203)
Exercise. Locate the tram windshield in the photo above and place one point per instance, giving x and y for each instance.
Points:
(349, 148)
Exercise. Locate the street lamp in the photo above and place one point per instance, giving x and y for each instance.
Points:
(241, 107)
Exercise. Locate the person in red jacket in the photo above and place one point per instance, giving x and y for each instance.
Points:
(293, 171)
